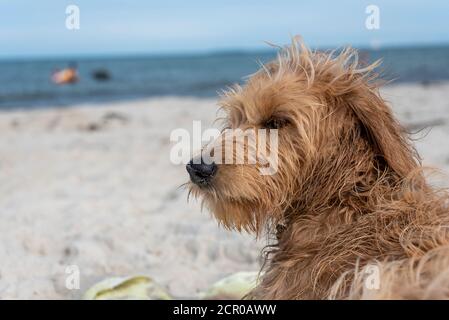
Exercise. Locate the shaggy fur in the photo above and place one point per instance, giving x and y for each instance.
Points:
(349, 193)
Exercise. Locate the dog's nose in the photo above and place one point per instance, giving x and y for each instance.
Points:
(201, 173)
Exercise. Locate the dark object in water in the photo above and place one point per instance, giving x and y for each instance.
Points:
(101, 75)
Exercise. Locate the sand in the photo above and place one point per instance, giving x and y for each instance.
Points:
(93, 186)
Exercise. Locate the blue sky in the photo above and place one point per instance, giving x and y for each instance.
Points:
(37, 27)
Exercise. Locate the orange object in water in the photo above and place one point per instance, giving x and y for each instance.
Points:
(69, 75)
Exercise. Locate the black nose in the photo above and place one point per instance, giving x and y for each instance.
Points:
(201, 173)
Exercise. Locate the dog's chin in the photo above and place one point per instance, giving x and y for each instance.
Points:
(233, 211)
(233, 214)
(204, 192)
(200, 188)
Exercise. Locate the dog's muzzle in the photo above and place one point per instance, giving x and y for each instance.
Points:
(200, 172)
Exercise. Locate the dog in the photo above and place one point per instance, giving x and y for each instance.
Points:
(349, 213)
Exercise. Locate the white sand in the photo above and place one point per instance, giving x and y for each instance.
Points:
(107, 199)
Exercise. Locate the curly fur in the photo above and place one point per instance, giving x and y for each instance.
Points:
(349, 193)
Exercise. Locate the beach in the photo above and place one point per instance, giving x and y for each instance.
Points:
(93, 186)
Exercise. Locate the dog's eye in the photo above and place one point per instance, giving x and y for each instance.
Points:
(275, 123)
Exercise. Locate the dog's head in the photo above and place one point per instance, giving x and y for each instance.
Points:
(327, 115)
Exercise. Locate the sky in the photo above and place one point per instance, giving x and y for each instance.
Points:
(114, 27)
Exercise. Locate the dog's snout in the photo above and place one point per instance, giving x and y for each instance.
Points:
(200, 172)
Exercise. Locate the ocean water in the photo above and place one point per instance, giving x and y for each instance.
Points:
(26, 83)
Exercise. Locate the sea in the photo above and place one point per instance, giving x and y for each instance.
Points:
(27, 84)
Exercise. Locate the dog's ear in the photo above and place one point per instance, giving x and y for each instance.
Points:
(384, 133)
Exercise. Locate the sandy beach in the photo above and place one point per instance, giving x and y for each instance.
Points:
(93, 186)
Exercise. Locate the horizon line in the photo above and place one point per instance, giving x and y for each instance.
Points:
(210, 52)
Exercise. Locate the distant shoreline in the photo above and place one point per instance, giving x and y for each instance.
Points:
(99, 102)
(26, 84)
